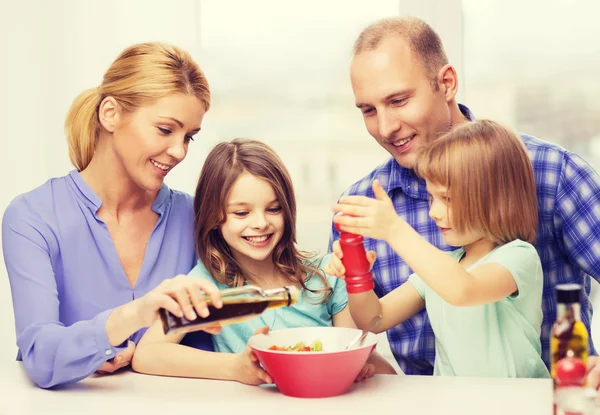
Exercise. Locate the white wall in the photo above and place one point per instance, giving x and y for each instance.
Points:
(50, 51)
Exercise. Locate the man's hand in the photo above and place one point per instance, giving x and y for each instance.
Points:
(119, 361)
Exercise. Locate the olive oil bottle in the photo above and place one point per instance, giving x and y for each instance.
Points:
(569, 341)
(239, 304)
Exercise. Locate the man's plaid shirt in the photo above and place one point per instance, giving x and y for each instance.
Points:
(568, 240)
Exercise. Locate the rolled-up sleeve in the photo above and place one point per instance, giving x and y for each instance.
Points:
(52, 353)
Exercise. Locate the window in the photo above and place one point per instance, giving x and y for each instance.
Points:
(534, 66)
(281, 75)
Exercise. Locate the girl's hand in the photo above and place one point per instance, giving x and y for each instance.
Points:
(247, 366)
(366, 372)
(593, 375)
(181, 295)
(374, 218)
(335, 267)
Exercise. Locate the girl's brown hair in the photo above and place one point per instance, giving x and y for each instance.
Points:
(140, 75)
(222, 167)
(489, 178)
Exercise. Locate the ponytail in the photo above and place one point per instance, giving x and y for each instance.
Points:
(82, 128)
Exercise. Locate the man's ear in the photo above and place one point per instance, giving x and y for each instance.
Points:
(108, 113)
(447, 80)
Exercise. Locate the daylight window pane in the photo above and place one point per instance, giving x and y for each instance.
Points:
(281, 74)
(534, 65)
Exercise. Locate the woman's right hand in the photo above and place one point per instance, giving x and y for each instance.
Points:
(181, 295)
(247, 366)
(335, 266)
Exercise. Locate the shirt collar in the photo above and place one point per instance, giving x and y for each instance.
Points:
(406, 179)
(466, 112)
(85, 193)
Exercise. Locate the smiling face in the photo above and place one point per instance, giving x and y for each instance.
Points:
(401, 108)
(440, 211)
(255, 223)
(152, 140)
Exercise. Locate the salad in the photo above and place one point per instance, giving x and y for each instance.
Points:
(315, 346)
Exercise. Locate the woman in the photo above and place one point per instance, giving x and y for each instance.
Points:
(87, 254)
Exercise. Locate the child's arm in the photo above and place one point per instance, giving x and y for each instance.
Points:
(160, 354)
(377, 218)
(380, 365)
(484, 284)
(396, 307)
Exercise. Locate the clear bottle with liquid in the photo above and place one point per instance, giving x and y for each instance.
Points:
(239, 304)
(569, 342)
(569, 352)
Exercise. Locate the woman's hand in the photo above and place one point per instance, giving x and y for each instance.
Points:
(247, 366)
(335, 267)
(374, 218)
(182, 296)
(120, 361)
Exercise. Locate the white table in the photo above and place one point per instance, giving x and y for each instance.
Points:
(131, 393)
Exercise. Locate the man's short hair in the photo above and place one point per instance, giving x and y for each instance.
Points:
(424, 42)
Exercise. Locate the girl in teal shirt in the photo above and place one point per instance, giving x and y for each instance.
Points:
(245, 212)
(484, 299)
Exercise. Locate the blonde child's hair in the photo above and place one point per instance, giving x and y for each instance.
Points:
(489, 178)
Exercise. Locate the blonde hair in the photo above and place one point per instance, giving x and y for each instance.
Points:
(220, 170)
(423, 41)
(489, 178)
(140, 75)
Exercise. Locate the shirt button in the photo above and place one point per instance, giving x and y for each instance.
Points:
(108, 352)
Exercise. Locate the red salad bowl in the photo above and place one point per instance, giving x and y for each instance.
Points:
(313, 374)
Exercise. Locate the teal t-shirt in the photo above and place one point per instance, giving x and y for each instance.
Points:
(500, 339)
(307, 312)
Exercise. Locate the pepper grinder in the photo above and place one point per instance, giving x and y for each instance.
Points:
(358, 277)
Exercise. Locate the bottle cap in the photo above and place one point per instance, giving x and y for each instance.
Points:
(568, 293)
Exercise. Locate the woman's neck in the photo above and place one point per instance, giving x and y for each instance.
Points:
(107, 177)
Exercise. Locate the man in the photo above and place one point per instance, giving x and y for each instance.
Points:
(406, 91)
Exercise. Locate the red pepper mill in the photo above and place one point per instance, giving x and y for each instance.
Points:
(358, 277)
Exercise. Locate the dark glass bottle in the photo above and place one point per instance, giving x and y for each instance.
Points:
(239, 304)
